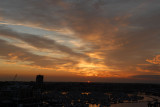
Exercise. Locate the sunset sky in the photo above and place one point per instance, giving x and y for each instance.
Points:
(80, 40)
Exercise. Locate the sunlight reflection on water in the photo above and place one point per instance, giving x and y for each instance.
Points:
(94, 105)
(143, 102)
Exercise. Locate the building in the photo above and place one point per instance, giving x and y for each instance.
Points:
(39, 79)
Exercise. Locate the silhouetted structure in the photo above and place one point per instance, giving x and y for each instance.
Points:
(39, 79)
(39, 82)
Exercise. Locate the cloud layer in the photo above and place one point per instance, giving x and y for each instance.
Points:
(122, 35)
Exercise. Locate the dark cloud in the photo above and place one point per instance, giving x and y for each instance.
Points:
(151, 77)
(150, 68)
(146, 78)
(13, 53)
(39, 41)
(44, 13)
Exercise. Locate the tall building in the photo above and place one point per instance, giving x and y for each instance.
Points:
(39, 79)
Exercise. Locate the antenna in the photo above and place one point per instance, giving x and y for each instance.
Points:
(15, 77)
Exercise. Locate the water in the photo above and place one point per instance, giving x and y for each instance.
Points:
(142, 103)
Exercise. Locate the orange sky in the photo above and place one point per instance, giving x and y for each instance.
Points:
(69, 40)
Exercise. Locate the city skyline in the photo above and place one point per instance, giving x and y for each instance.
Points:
(80, 40)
